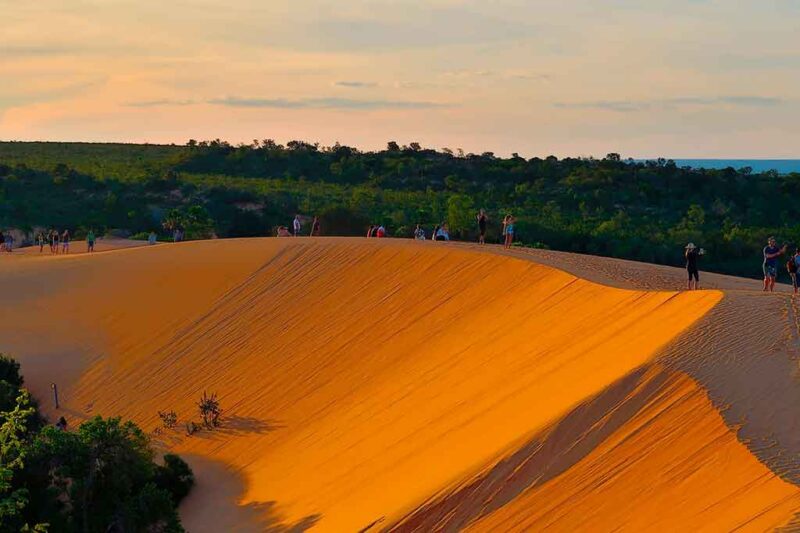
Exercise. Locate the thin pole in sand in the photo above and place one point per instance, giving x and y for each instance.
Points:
(55, 393)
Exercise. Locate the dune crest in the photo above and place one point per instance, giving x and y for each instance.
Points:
(363, 380)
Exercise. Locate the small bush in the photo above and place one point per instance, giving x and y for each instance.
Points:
(169, 419)
(210, 410)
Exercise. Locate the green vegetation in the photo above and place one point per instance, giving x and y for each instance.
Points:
(101, 477)
(635, 210)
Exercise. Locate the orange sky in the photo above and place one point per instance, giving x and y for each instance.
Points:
(684, 78)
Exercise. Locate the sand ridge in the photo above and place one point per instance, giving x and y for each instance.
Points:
(363, 380)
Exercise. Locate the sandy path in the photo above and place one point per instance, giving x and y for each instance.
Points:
(626, 274)
(347, 366)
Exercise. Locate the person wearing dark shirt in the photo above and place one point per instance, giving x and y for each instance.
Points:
(791, 266)
(482, 219)
(771, 255)
(692, 255)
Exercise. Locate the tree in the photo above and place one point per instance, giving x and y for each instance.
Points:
(460, 213)
(13, 451)
(175, 477)
(172, 221)
(194, 220)
(9, 371)
(103, 478)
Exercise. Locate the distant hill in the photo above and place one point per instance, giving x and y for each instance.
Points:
(637, 210)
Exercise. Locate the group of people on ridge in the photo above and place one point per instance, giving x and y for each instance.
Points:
(441, 232)
(58, 242)
(772, 252)
(508, 228)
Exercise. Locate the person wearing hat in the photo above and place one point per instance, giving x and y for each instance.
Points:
(692, 254)
(771, 254)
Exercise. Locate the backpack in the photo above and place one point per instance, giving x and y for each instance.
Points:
(791, 265)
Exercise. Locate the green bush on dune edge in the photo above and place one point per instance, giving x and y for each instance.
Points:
(100, 478)
(634, 210)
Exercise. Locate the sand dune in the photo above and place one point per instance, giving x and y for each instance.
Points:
(393, 384)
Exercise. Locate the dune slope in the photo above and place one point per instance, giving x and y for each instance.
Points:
(364, 381)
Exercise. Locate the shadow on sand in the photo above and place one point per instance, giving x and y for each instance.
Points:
(214, 504)
(544, 457)
(233, 426)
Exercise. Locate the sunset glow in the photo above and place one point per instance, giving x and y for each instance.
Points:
(688, 78)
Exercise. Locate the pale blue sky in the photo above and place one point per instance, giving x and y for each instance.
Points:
(675, 78)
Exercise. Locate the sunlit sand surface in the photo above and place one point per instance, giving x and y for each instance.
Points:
(393, 384)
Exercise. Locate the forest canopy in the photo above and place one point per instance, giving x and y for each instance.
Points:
(612, 206)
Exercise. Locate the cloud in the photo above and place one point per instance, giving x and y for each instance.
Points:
(159, 103)
(627, 106)
(472, 78)
(466, 73)
(752, 100)
(324, 103)
(25, 51)
(355, 84)
(28, 96)
(301, 103)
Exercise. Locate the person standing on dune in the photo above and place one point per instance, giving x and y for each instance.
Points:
(509, 231)
(54, 241)
(296, 225)
(90, 238)
(792, 266)
(482, 220)
(315, 227)
(771, 254)
(692, 255)
(65, 242)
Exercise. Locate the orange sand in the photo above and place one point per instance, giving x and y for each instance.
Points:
(649, 453)
(361, 379)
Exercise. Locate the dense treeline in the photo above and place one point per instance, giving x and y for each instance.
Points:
(102, 477)
(638, 210)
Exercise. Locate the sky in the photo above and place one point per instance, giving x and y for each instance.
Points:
(672, 78)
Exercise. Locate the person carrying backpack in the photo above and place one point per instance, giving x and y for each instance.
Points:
(792, 266)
